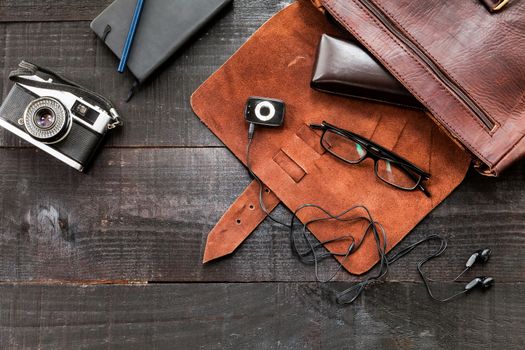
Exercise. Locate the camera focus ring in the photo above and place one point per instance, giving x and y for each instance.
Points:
(47, 120)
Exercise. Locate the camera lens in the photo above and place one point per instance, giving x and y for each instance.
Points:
(47, 120)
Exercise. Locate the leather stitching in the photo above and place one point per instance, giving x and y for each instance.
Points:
(436, 62)
(430, 156)
(401, 45)
(398, 76)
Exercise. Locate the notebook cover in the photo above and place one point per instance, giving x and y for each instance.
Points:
(164, 26)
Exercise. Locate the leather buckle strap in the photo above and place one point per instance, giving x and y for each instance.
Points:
(241, 219)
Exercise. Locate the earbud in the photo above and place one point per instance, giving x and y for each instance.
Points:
(481, 255)
(484, 282)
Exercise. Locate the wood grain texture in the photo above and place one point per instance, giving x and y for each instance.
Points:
(144, 214)
(61, 10)
(252, 11)
(160, 113)
(256, 316)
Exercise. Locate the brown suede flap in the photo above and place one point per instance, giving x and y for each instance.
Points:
(277, 62)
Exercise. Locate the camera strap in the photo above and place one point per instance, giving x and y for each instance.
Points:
(63, 84)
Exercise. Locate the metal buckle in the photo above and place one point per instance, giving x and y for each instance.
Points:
(116, 119)
(117, 122)
(500, 5)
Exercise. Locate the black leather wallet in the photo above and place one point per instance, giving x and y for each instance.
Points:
(346, 68)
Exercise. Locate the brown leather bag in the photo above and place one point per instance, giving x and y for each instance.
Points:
(466, 65)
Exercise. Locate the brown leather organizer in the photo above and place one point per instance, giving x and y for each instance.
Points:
(277, 62)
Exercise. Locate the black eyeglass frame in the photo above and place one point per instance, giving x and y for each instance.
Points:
(376, 152)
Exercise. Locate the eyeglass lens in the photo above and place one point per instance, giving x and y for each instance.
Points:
(343, 147)
(396, 174)
(352, 152)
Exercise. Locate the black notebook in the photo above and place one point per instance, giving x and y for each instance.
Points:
(164, 26)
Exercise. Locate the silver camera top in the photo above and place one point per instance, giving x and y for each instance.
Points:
(61, 106)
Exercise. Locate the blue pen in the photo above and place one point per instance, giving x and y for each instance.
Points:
(131, 35)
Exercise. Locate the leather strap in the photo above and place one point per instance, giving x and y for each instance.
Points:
(241, 219)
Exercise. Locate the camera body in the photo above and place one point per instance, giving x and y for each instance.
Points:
(264, 111)
(58, 122)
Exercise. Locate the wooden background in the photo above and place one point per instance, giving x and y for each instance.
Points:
(112, 259)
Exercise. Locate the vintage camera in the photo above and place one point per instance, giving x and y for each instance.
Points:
(65, 125)
(264, 111)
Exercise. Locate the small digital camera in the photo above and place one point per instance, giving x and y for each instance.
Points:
(58, 122)
(264, 111)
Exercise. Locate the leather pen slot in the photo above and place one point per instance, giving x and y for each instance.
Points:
(290, 167)
(311, 138)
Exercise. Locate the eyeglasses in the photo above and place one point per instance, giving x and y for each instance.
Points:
(388, 166)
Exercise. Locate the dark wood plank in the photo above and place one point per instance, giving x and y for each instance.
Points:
(143, 214)
(47, 10)
(256, 316)
(72, 10)
(160, 114)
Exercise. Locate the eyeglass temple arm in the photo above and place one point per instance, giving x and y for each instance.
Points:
(424, 190)
(317, 126)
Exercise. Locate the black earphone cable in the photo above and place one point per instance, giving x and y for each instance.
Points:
(353, 246)
(312, 256)
(381, 244)
(437, 253)
(455, 279)
(460, 274)
(261, 186)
